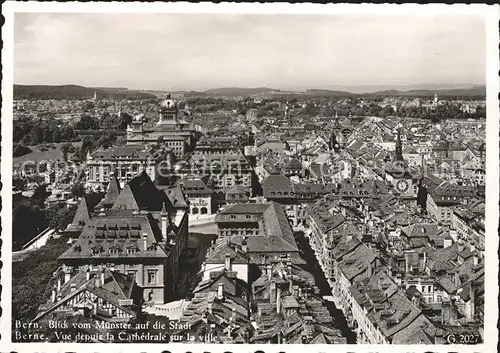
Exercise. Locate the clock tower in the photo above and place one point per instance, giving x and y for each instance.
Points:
(398, 173)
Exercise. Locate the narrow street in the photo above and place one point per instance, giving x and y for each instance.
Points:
(314, 268)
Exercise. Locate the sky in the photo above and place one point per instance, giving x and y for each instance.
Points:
(203, 51)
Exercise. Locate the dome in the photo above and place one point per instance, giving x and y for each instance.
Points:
(139, 117)
(168, 103)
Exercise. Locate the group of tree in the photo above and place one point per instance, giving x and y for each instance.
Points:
(32, 278)
(37, 131)
(114, 122)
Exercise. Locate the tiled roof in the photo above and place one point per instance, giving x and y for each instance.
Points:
(112, 193)
(140, 193)
(116, 286)
(422, 230)
(356, 262)
(195, 186)
(278, 234)
(129, 152)
(120, 230)
(82, 215)
(275, 183)
(217, 254)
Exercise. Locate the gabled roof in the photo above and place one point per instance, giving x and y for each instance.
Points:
(112, 193)
(116, 287)
(82, 215)
(140, 193)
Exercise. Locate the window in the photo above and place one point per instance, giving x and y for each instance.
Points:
(151, 276)
(439, 298)
(233, 217)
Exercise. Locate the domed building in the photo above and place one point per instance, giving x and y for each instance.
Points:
(170, 131)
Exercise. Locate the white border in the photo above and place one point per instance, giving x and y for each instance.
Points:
(490, 13)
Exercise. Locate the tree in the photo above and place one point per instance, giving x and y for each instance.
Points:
(87, 123)
(67, 133)
(386, 111)
(47, 134)
(56, 136)
(65, 149)
(125, 120)
(32, 278)
(62, 217)
(23, 231)
(36, 135)
(87, 146)
(121, 141)
(77, 190)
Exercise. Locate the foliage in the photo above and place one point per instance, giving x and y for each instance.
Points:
(58, 217)
(31, 278)
(87, 122)
(23, 230)
(37, 131)
(77, 190)
(21, 150)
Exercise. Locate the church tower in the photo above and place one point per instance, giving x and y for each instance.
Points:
(398, 157)
(436, 99)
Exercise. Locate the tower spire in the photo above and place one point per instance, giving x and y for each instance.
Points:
(399, 148)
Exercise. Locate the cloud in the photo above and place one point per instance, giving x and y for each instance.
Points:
(195, 51)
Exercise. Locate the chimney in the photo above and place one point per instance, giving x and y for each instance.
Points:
(244, 244)
(348, 238)
(145, 241)
(59, 284)
(472, 295)
(472, 247)
(460, 246)
(269, 271)
(447, 242)
(102, 278)
(457, 278)
(54, 293)
(87, 275)
(278, 299)
(220, 291)
(164, 223)
(73, 287)
(475, 259)
(272, 292)
(228, 262)
(67, 275)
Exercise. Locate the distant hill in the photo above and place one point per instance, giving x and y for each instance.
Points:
(237, 91)
(75, 92)
(477, 92)
(110, 89)
(329, 93)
